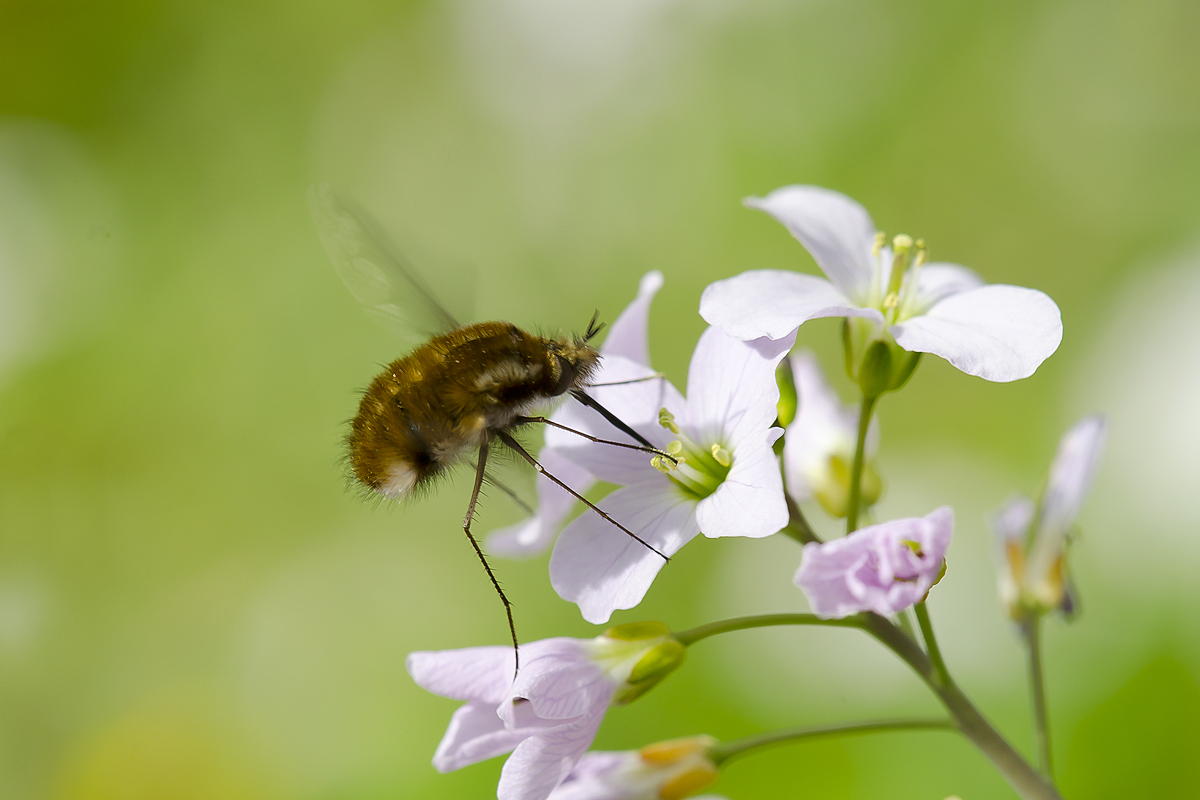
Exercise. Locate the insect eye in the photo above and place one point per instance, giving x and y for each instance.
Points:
(566, 375)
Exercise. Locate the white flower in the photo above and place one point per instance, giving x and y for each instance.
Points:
(1033, 537)
(626, 338)
(664, 771)
(818, 450)
(549, 716)
(1001, 333)
(727, 481)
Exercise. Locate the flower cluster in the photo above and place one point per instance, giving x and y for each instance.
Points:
(709, 461)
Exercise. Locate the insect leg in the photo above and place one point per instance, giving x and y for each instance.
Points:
(512, 628)
(653, 377)
(591, 402)
(516, 447)
(591, 438)
(512, 494)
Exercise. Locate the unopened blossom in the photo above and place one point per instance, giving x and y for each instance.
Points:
(818, 449)
(626, 338)
(549, 715)
(887, 292)
(883, 568)
(1034, 535)
(723, 478)
(663, 771)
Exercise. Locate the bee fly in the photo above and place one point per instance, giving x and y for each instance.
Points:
(463, 390)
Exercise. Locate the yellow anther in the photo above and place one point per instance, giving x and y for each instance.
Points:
(675, 447)
(890, 301)
(722, 455)
(661, 464)
(880, 241)
(901, 243)
(667, 420)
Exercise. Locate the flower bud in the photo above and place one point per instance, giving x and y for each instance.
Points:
(873, 359)
(637, 655)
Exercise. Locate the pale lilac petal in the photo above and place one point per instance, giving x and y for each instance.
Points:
(875, 569)
(627, 335)
(938, 281)
(600, 568)
(540, 763)
(823, 428)
(1071, 475)
(1013, 519)
(774, 303)
(475, 734)
(732, 391)
(750, 501)
(472, 673)
(559, 682)
(1000, 333)
(535, 534)
(837, 231)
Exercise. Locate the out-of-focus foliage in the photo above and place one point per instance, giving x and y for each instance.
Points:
(191, 604)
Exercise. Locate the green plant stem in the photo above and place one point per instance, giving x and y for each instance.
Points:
(739, 747)
(856, 470)
(798, 527)
(931, 645)
(1031, 632)
(693, 635)
(1021, 776)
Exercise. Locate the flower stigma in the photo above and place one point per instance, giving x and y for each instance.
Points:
(697, 470)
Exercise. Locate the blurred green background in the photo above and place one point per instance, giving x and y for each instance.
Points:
(193, 606)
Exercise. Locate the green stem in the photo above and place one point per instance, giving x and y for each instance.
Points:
(1031, 631)
(798, 527)
(931, 645)
(693, 635)
(1026, 780)
(739, 747)
(856, 471)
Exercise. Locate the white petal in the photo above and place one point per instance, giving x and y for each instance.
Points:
(540, 763)
(534, 535)
(1000, 333)
(599, 567)
(559, 681)
(773, 303)
(1012, 521)
(938, 281)
(732, 391)
(627, 335)
(750, 501)
(473, 673)
(836, 230)
(475, 734)
(823, 428)
(1071, 475)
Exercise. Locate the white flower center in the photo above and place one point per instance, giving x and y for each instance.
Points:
(898, 299)
(698, 470)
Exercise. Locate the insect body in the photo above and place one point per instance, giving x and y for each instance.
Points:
(455, 393)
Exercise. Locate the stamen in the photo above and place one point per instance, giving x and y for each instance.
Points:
(667, 420)
(880, 241)
(722, 455)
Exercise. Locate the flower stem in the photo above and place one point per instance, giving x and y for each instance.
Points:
(693, 635)
(856, 471)
(931, 645)
(1031, 631)
(739, 747)
(798, 527)
(1023, 778)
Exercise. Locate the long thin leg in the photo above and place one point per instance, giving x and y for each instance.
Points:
(591, 402)
(590, 438)
(516, 498)
(512, 628)
(523, 453)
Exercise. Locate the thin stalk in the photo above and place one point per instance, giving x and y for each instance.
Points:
(1021, 776)
(694, 635)
(739, 747)
(798, 527)
(1031, 631)
(931, 645)
(856, 471)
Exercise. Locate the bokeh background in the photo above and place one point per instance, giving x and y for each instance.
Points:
(192, 605)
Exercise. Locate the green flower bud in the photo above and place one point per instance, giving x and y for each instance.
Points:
(659, 662)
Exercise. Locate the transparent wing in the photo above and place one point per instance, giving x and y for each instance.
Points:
(377, 276)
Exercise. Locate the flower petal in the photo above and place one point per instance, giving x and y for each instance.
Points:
(1071, 475)
(475, 734)
(837, 231)
(1000, 333)
(534, 535)
(823, 428)
(1012, 521)
(732, 391)
(938, 281)
(599, 567)
(472, 673)
(540, 763)
(774, 303)
(627, 335)
(750, 501)
(559, 682)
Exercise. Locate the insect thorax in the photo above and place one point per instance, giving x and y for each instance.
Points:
(430, 408)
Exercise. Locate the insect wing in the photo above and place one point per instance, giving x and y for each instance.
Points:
(374, 272)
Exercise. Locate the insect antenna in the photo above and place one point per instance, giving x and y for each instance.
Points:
(512, 628)
(593, 329)
(591, 402)
(642, 379)
(640, 448)
(516, 447)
